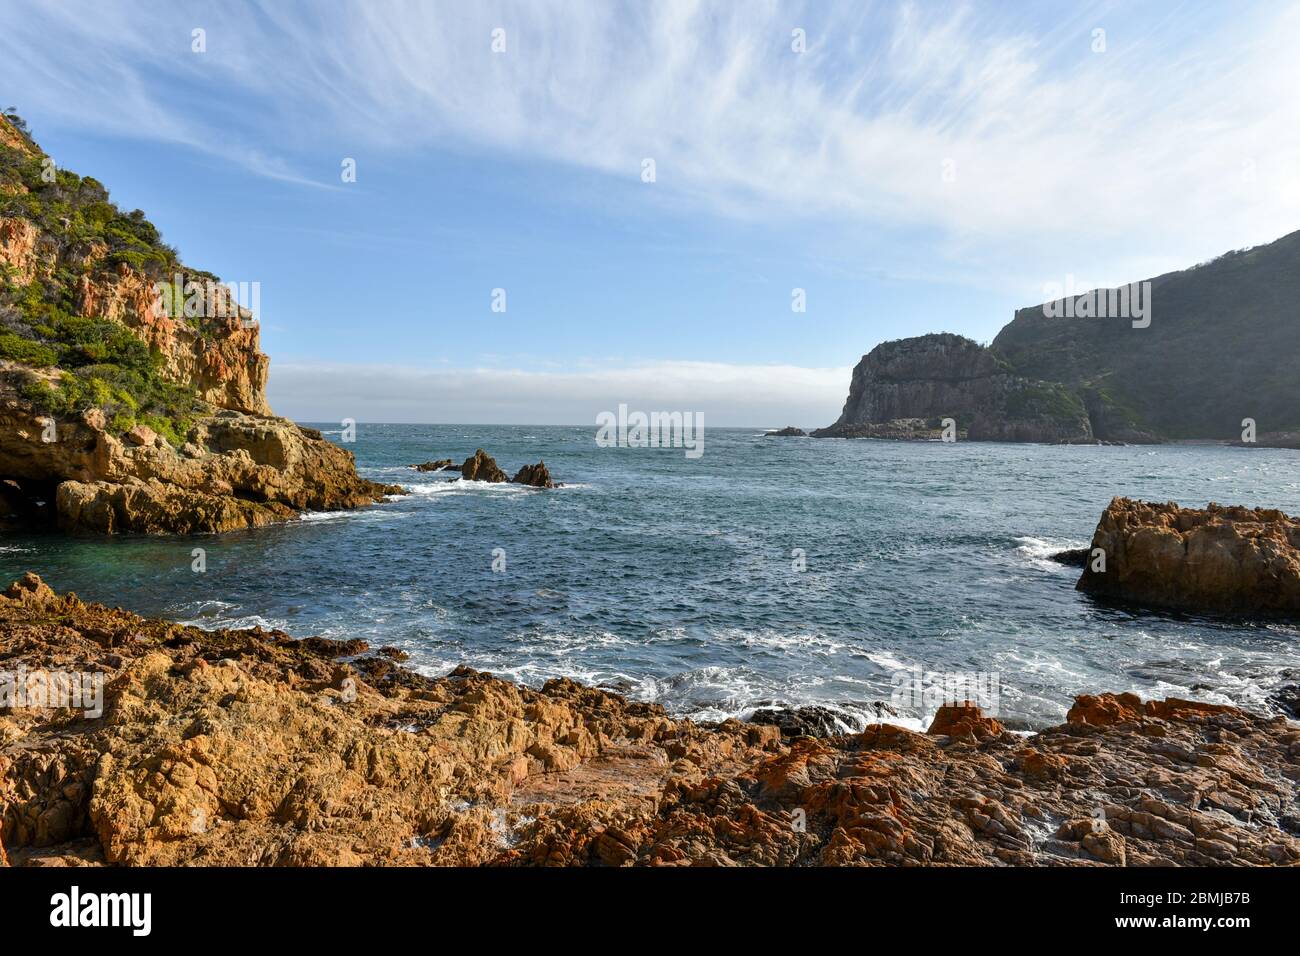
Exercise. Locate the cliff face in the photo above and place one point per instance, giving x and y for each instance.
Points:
(250, 748)
(132, 387)
(915, 383)
(1221, 346)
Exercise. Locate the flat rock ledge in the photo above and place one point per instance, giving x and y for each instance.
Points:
(1220, 559)
(251, 748)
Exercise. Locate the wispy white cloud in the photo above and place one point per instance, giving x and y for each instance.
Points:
(1176, 138)
(758, 395)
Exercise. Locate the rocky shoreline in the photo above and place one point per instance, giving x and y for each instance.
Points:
(248, 747)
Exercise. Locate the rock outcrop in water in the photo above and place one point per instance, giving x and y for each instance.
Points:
(482, 467)
(442, 464)
(906, 388)
(1223, 559)
(246, 747)
(535, 476)
(126, 409)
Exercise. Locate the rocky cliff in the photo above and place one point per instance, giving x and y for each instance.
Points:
(250, 748)
(1218, 344)
(132, 387)
(906, 387)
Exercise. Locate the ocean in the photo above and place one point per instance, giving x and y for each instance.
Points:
(766, 572)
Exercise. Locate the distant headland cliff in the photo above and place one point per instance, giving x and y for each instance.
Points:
(124, 409)
(1217, 345)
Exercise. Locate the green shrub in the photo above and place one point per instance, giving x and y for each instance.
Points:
(18, 349)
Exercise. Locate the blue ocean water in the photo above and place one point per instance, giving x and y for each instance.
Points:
(677, 579)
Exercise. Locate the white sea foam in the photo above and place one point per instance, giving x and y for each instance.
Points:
(237, 622)
(462, 487)
(886, 660)
(1039, 551)
(324, 515)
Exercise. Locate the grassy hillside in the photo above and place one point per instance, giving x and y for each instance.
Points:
(1223, 345)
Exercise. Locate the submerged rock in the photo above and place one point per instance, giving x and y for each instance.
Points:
(251, 748)
(442, 464)
(1073, 557)
(788, 432)
(538, 476)
(1221, 559)
(481, 467)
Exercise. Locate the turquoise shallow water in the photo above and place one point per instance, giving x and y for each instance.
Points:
(673, 578)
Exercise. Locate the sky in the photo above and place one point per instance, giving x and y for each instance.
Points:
(911, 167)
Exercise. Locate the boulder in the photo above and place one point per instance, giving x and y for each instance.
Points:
(964, 719)
(141, 435)
(235, 471)
(1233, 560)
(538, 476)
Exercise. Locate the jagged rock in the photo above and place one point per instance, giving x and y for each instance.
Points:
(800, 721)
(442, 464)
(481, 467)
(251, 748)
(1105, 710)
(789, 431)
(538, 476)
(1223, 559)
(960, 720)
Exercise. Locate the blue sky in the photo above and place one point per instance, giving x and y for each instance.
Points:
(920, 167)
